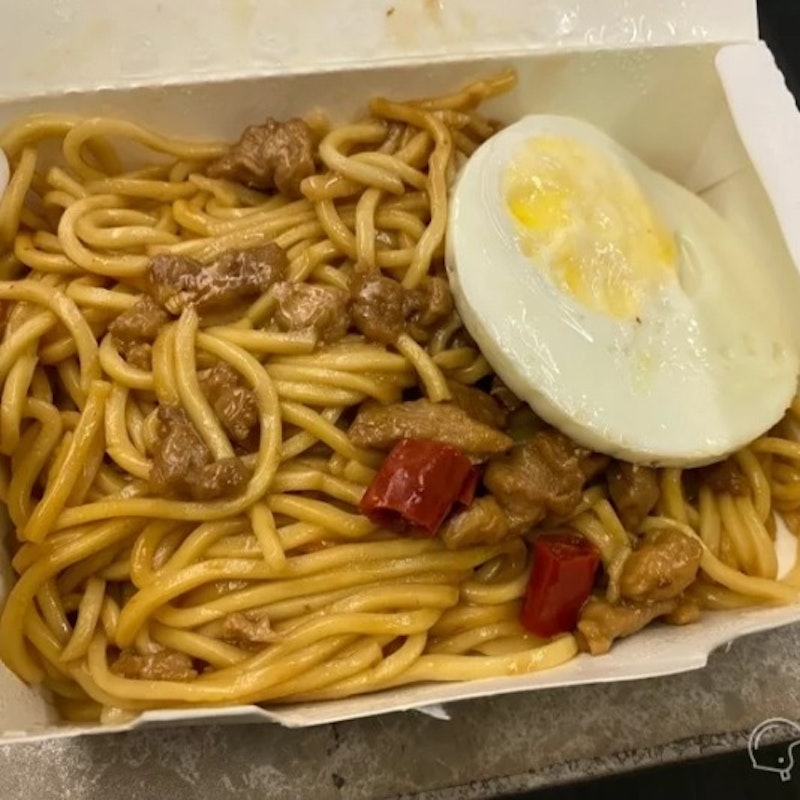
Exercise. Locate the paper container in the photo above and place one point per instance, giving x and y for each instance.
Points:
(683, 84)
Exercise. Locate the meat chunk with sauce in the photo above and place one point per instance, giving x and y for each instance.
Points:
(308, 306)
(234, 404)
(602, 622)
(479, 405)
(432, 302)
(542, 476)
(165, 665)
(379, 307)
(724, 477)
(273, 155)
(504, 396)
(183, 465)
(383, 426)
(140, 323)
(484, 522)
(248, 629)
(178, 282)
(227, 477)
(685, 613)
(134, 330)
(661, 567)
(382, 308)
(634, 492)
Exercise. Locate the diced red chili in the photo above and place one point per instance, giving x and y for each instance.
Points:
(467, 492)
(417, 486)
(561, 580)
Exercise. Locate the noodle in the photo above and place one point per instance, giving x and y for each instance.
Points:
(282, 592)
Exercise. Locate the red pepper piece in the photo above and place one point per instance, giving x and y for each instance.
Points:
(467, 493)
(417, 485)
(561, 580)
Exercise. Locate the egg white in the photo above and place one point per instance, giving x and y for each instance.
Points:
(708, 364)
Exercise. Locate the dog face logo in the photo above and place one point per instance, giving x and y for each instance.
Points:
(768, 733)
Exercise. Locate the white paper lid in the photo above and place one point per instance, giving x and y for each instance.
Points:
(48, 46)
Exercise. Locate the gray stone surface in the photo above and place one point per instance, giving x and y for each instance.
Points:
(490, 745)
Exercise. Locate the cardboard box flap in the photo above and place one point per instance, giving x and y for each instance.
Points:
(114, 45)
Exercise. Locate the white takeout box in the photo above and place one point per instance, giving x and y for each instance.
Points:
(683, 83)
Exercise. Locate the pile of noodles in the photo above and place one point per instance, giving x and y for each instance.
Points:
(103, 567)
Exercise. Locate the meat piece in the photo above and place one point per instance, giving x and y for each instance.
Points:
(479, 405)
(663, 564)
(542, 476)
(138, 354)
(183, 465)
(234, 404)
(245, 629)
(724, 478)
(178, 282)
(432, 302)
(140, 323)
(505, 396)
(273, 155)
(523, 424)
(306, 306)
(180, 452)
(592, 464)
(602, 622)
(133, 331)
(484, 522)
(634, 492)
(224, 478)
(379, 307)
(687, 612)
(383, 426)
(165, 665)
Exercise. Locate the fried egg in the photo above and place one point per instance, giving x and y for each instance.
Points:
(625, 310)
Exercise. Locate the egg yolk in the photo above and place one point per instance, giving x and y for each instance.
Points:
(581, 216)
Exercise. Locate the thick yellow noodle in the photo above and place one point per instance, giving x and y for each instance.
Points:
(102, 566)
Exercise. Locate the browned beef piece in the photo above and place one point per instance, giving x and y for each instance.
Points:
(273, 155)
(307, 306)
(687, 612)
(382, 426)
(140, 323)
(379, 307)
(178, 282)
(592, 464)
(165, 665)
(544, 475)
(479, 405)
(634, 492)
(138, 354)
(184, 466)
(246, 629)
(602, 622)
(224, 478)
(505, 396)
(724, 477)
(382, 308)
(234, 404)
(432, 301)
(134, 330)
(484, 522)
(662, 566)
